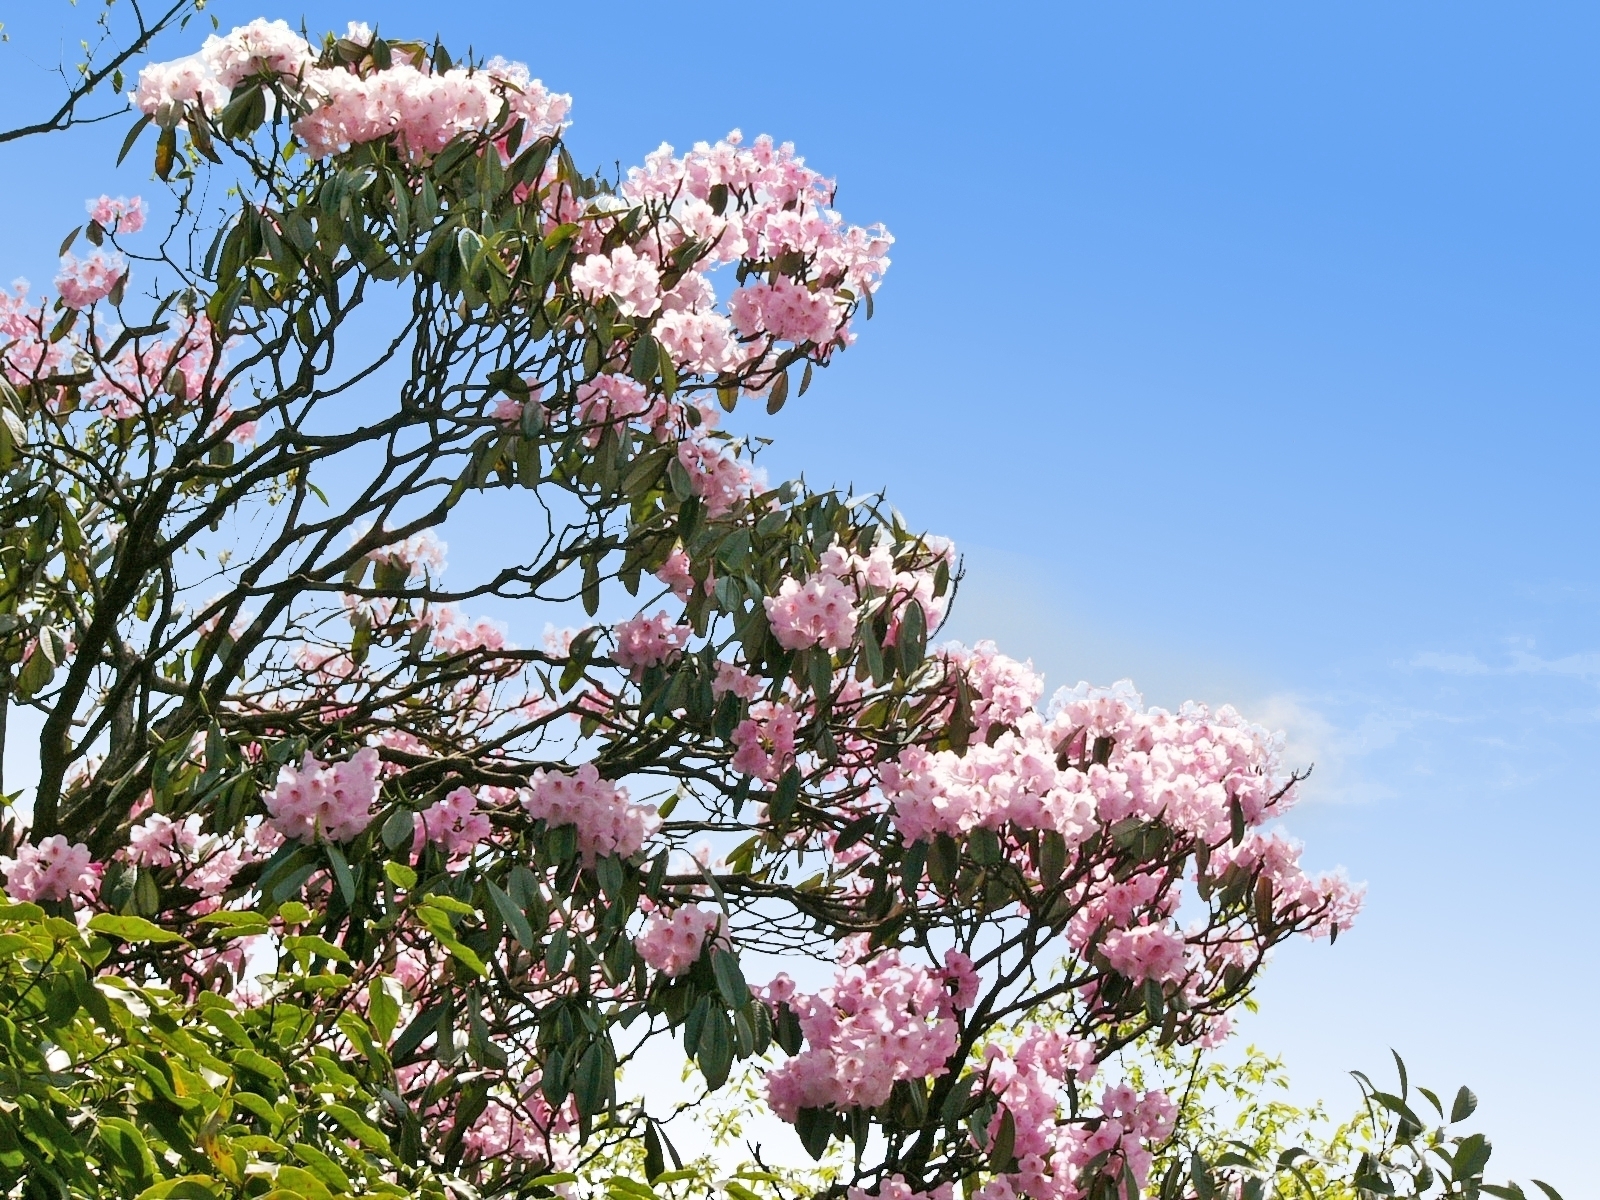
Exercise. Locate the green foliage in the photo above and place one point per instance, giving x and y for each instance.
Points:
(110, 1088)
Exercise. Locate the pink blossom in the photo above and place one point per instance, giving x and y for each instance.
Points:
(167, 91)
(627, 278)
(764, 741)
(703, 343)
(820, 611)
(716, 476)
(648, 641)
(81, 284)
(963, 976)
(159, 841)
(895, 1187)
(454, 823)
(1146, 952)
(676, 573)
(53, 870)
(881, 1021)
(672, 943)
(606, 822)
(453, 634)
(261, 47)
(786, 311)
(731, 677)
(118, 215)
(423, 553)
(319, 800)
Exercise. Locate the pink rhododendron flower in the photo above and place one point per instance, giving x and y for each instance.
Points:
(703, 343)
(785, 310)
(159, 841)
(81, 284)
(317, 800)
(731, 677)
(881, 1021)
(118, 214)
(261, 47)
(648, 641)
(820, 611)
(454, 823)
(1146, 952)
(55, 869)
(672, 943)
(630, 280)
(895, 1187)
(676, 574)
(606, 822)
(764, 741)
(453, 634)
(717, 477)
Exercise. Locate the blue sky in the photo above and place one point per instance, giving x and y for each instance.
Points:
(1249, 351)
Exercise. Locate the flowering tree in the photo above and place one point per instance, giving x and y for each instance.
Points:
(435, 890)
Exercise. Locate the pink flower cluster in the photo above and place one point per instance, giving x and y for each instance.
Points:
(775, 206)
(186, 365)
(1053, 1157)
(1014, 781)
(421, 109)
(764, 741)
(895, 1187)
(81, 284)
(424, 111)
(454, 634)
(819, 612)
(606, 822)
(823, 611)
(649, 641)
(262, 47)
(677, 573)
(454, 824)
(322, 801)
(208, 863)
(1098, 758)
(672, 942)
(55, 869)
(117, 214)
(420, 554)
(630, 280)
(716, 475)
(881, 1021)
(1146, 952)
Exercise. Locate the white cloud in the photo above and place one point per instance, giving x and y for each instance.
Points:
(1451, 664)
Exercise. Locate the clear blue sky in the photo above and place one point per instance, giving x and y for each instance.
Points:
(1250, 351)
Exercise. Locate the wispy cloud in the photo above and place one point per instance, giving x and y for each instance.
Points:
(1451, 664)
(1585, 666)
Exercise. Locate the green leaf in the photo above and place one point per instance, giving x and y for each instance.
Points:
(730, 979)
(779, 393)
(399, 874)
(815, 1127)
(133, 929)
(593, 1081)
(259, 1064)
(1003, 1150)
(399, 830)
(1465, 1105)
(716, 1048)
(383, 1006)
(317, 946)
(341, 872)
(512, 916)
(133, 136)
(913, 639)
